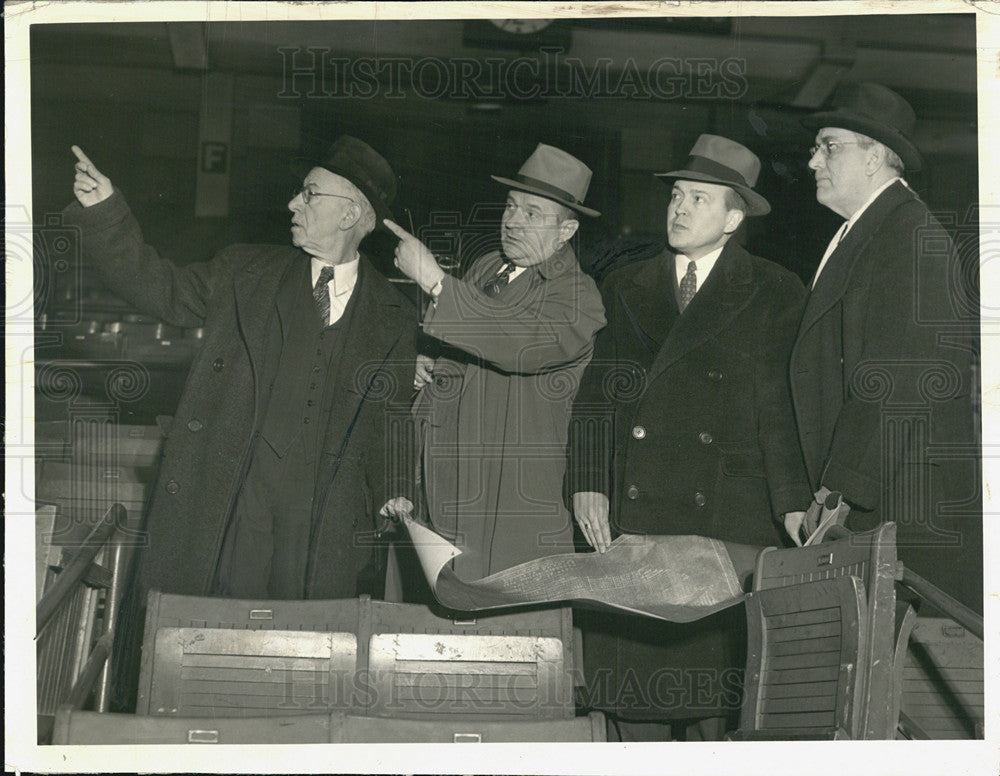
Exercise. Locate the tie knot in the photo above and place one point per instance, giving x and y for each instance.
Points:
(692, 268)
(325, 276)
(495, 284)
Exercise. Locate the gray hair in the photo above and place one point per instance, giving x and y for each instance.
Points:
(368, 220)
(892, 160)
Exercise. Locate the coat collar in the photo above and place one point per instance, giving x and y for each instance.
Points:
(832, 283)
(728, 289)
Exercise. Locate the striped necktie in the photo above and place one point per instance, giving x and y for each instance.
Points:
(321, 294)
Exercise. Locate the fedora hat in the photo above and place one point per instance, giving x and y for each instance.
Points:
(715, 159)
(553, 174)
(362, 165)
(875, 111)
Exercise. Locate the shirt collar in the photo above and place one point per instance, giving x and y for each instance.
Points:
(858, 213)
(344, 275)
(703, 265)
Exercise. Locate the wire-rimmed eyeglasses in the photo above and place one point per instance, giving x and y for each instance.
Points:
(830, 147)
(308, 194)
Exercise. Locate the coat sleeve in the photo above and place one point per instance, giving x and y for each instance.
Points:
(113, 244)
(591, 428)
(893, 345)
(546, 329)
(784, 466)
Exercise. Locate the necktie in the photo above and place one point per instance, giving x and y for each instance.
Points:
(321, 294)
(689, 284)
(498, 282)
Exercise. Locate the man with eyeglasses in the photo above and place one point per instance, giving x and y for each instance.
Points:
(881, 371)
(513, 336)
(275, 467)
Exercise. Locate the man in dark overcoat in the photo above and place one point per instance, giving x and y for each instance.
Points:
(274, 470)
(683, 425)
(881, 369)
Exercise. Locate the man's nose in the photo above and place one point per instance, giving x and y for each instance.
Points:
(816, 160)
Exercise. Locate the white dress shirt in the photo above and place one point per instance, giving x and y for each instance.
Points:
(345, 277)
(702, 267)
(846, 226)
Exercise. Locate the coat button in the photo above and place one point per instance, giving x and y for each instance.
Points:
(705, 438)
(172, 487)
(700, 499)
(632, 492)
(195, 425)
(305, 420)
(218, 364)
(639, 432)
(715, 375)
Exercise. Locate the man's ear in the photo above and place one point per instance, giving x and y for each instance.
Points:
(567, 229)
(351, 216)
(733, 220)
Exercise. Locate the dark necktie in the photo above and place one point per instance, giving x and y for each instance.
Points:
(498, 282)
(321, 294)
(689, 285)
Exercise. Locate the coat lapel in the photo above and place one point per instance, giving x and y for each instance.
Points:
(649, 302)
(727, 291)
(833, 281)
(256, 289)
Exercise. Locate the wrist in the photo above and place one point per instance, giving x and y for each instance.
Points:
(436, 282)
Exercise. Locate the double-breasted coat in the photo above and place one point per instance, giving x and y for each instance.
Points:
(495, 417)
(207, 452)
(685, 422)
(882, 383)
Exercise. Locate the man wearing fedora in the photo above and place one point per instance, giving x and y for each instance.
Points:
(516, 333)
(881, 372)
(274, 470)
(683, 425)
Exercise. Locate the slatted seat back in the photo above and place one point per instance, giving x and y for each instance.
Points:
(806, 644)
(215, 657)
(942, 680)
(506, 666)
(871, 558)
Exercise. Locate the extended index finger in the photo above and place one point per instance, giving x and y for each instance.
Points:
(81, 155)
(397, 230)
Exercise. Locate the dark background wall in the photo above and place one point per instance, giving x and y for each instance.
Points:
(450, 102)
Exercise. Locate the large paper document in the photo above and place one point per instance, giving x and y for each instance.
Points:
(676, 578)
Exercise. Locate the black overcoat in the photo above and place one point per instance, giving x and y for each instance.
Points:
(882, 384)
(207, 451)
(686, 423)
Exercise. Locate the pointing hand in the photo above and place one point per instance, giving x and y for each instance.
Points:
(90, 186)
(414, 259)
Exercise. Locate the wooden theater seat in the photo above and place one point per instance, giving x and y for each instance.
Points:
(806, 646)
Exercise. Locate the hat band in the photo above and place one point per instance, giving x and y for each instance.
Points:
(527, 180)
(703, 164)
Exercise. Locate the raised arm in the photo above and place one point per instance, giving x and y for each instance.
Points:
(112, 243)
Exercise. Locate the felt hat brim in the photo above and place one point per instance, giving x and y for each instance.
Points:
(756, 204)
(883, 133)
(553, 194)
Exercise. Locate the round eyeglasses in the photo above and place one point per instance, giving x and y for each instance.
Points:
(308, 194)
(830, 147)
